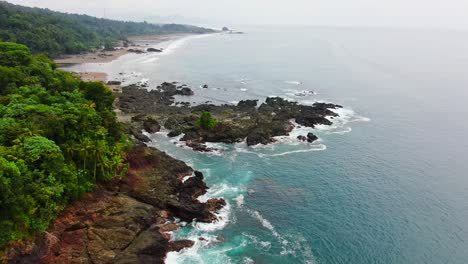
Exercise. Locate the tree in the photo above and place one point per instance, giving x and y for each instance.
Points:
(58, 138)
(207, 121)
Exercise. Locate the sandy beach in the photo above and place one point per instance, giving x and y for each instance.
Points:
(103, 56)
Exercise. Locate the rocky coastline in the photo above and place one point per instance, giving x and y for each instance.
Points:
(248, 120)
(128, 220)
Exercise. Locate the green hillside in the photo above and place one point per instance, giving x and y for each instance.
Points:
(55, 33)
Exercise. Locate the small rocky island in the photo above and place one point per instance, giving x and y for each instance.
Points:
(248, 120)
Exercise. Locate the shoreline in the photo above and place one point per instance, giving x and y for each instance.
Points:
(141, 42)
(125, 221)
(105, 56)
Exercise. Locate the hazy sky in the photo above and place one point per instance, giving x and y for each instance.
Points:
(413, 13)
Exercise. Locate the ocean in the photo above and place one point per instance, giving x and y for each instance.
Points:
(387, 183)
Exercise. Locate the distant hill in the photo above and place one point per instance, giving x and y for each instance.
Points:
(56, 33)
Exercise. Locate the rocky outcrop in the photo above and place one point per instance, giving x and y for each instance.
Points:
(311, 137)
(257, 124)
(127, 220)
(154, 50)
(137, 51)
(151, 125)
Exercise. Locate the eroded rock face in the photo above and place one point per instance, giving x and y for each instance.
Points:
(125, 221)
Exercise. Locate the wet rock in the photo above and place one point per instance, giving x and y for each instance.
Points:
(246, 120)
(180, 244)
(138, 134)
(169, 227)
(197, 146)
(151, 125)
(205, 86)
(137, 51)
(153, 50)
(185, 91)
(311, 137)
(174, 133)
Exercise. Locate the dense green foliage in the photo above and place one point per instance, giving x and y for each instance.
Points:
(55, 33)
(58, 138)
(207, 121)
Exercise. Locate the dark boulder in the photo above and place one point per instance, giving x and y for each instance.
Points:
(174, 133)
(139, 135)
(180, 244)
(311, 137)
(137, 51)
(205, 86)
(153, 50)
(185, 91)
(151, 125)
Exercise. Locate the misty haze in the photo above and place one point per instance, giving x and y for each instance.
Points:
(233, 131)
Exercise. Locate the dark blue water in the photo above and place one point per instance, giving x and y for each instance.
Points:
(387, 184)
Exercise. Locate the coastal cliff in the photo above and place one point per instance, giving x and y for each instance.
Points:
(126, 220)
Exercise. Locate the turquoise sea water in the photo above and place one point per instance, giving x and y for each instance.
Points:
(388, 183)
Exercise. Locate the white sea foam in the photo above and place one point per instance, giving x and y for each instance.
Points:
(247, 260)
(255, 240)
(194, 253)
(293, 82)
(188, 177)
(191, 254)
(150, 60)
(267, 224)
(244, 89)
(319, 147)
(220, 190)
(240, 200)
(222, 219)
(176, 44)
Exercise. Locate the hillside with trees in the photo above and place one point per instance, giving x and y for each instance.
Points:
(58, 137)
(56, 33)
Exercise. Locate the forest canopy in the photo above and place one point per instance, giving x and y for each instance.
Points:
(58, 137)
(56, 33)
